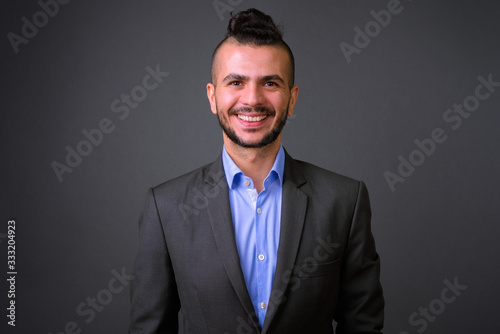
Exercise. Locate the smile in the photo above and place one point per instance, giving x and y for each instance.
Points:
(252, 119)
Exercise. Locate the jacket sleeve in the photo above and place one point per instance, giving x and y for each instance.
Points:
(361, 302)
(153, 291)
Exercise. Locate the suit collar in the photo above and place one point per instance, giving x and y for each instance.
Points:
(293, 171)
(215, 172)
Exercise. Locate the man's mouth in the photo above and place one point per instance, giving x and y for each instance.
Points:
(252, 118)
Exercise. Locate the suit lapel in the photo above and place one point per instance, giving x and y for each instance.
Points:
(293, 210)
(219, 212)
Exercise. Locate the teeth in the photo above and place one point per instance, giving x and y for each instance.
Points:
(252, 119)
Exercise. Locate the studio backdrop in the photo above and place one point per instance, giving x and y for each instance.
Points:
(101, 100)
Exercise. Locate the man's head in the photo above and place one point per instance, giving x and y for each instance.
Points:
(252, 90)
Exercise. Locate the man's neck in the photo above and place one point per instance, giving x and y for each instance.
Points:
(254, 162)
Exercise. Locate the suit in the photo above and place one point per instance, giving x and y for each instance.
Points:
(187, 274)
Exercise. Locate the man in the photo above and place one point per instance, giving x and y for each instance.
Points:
(256, 242)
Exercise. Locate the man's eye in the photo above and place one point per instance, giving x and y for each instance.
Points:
(270, 83)
(235, 83)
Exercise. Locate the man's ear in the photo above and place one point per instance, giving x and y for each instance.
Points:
(294, 94)
(211, 97)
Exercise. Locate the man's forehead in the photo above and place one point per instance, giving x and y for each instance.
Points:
(235, 49)
(257, 58)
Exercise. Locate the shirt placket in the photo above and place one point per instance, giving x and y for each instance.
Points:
(262, 248)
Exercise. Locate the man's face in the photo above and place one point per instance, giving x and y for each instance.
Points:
(251, 94)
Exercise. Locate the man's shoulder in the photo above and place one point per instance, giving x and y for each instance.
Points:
(314, 170)
(324, 183)
(316, 174)
(209, 173)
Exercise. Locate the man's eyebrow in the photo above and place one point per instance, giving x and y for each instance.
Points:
(240, 77)
(234, 76)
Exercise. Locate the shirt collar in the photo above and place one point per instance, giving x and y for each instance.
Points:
(231, 170)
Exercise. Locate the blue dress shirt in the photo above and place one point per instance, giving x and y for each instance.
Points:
(256, 221)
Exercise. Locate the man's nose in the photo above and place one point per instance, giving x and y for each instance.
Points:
(252, 95)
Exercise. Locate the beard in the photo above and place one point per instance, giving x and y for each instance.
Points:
(269, 138)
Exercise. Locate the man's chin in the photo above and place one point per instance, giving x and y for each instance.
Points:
(252, 139)
(253, 143)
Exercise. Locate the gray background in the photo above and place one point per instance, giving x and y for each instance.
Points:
(353, 118)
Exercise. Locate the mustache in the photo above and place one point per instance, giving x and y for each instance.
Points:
(263, 110)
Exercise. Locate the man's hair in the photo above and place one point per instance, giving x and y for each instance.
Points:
(253, 27)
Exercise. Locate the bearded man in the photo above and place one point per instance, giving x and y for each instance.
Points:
(256, 242)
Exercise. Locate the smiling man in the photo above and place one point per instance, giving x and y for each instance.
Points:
(256, 242)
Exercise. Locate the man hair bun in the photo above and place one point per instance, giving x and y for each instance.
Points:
(255, 27)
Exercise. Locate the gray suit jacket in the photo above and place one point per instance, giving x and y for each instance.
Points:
(187, 274)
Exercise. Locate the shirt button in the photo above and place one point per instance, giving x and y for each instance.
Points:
(247, 183)
(263, 306)
(261, 257)
(259, 211)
